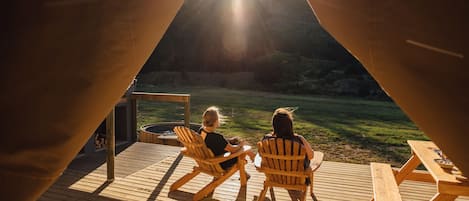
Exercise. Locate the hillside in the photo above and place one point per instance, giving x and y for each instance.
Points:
(280, 42)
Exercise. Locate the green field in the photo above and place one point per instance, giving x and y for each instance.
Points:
(345, 129)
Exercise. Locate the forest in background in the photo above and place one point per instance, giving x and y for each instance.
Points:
(270, 45)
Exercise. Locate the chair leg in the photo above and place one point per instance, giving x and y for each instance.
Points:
(311, 179)
(303, 195)
(311, 186)
(212, 185)
(314, 197)
(183, 180)
(272, 194)
(242, 172)
(263, 192)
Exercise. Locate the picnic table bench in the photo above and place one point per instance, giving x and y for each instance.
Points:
(385, 187)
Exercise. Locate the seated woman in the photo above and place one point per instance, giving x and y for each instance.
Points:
(215, 141)
(282, 123)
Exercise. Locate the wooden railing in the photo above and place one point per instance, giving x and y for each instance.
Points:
(161, 97)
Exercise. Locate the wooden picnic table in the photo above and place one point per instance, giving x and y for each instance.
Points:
(449, 187)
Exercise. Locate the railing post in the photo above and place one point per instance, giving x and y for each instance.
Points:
(187, 112)
(110, 144)
(133, 118)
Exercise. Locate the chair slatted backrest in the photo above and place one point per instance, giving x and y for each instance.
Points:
(282, 161)
(194, 147)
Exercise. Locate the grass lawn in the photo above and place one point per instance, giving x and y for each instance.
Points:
(345, 129)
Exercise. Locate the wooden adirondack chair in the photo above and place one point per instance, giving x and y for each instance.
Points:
(283, 165)
(194, 147)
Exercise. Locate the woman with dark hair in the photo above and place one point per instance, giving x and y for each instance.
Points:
(282, 123)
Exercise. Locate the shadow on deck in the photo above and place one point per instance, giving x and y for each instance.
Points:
(145, 172)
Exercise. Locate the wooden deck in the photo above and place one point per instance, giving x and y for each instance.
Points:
(145, 172)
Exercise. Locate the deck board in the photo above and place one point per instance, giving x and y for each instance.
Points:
(145, 172)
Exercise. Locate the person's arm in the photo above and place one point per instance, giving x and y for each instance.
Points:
(309, 150)
(234, 148)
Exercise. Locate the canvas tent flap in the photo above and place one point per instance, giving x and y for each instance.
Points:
(417, 51)
(64, 66)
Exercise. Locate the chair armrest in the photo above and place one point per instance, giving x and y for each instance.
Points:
(317, 160)
(229, 156)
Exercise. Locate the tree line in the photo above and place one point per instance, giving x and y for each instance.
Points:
(279, 41)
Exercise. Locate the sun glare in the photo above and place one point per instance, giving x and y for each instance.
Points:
(234, 37)
(237, 8)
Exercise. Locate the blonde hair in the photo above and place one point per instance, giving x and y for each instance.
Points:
(283, 111)
(210, 116)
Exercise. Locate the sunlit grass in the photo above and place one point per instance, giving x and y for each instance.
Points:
(346, 129)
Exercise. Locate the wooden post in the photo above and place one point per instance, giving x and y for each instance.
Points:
(133, 119)
(110, 144)
(187, 112)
